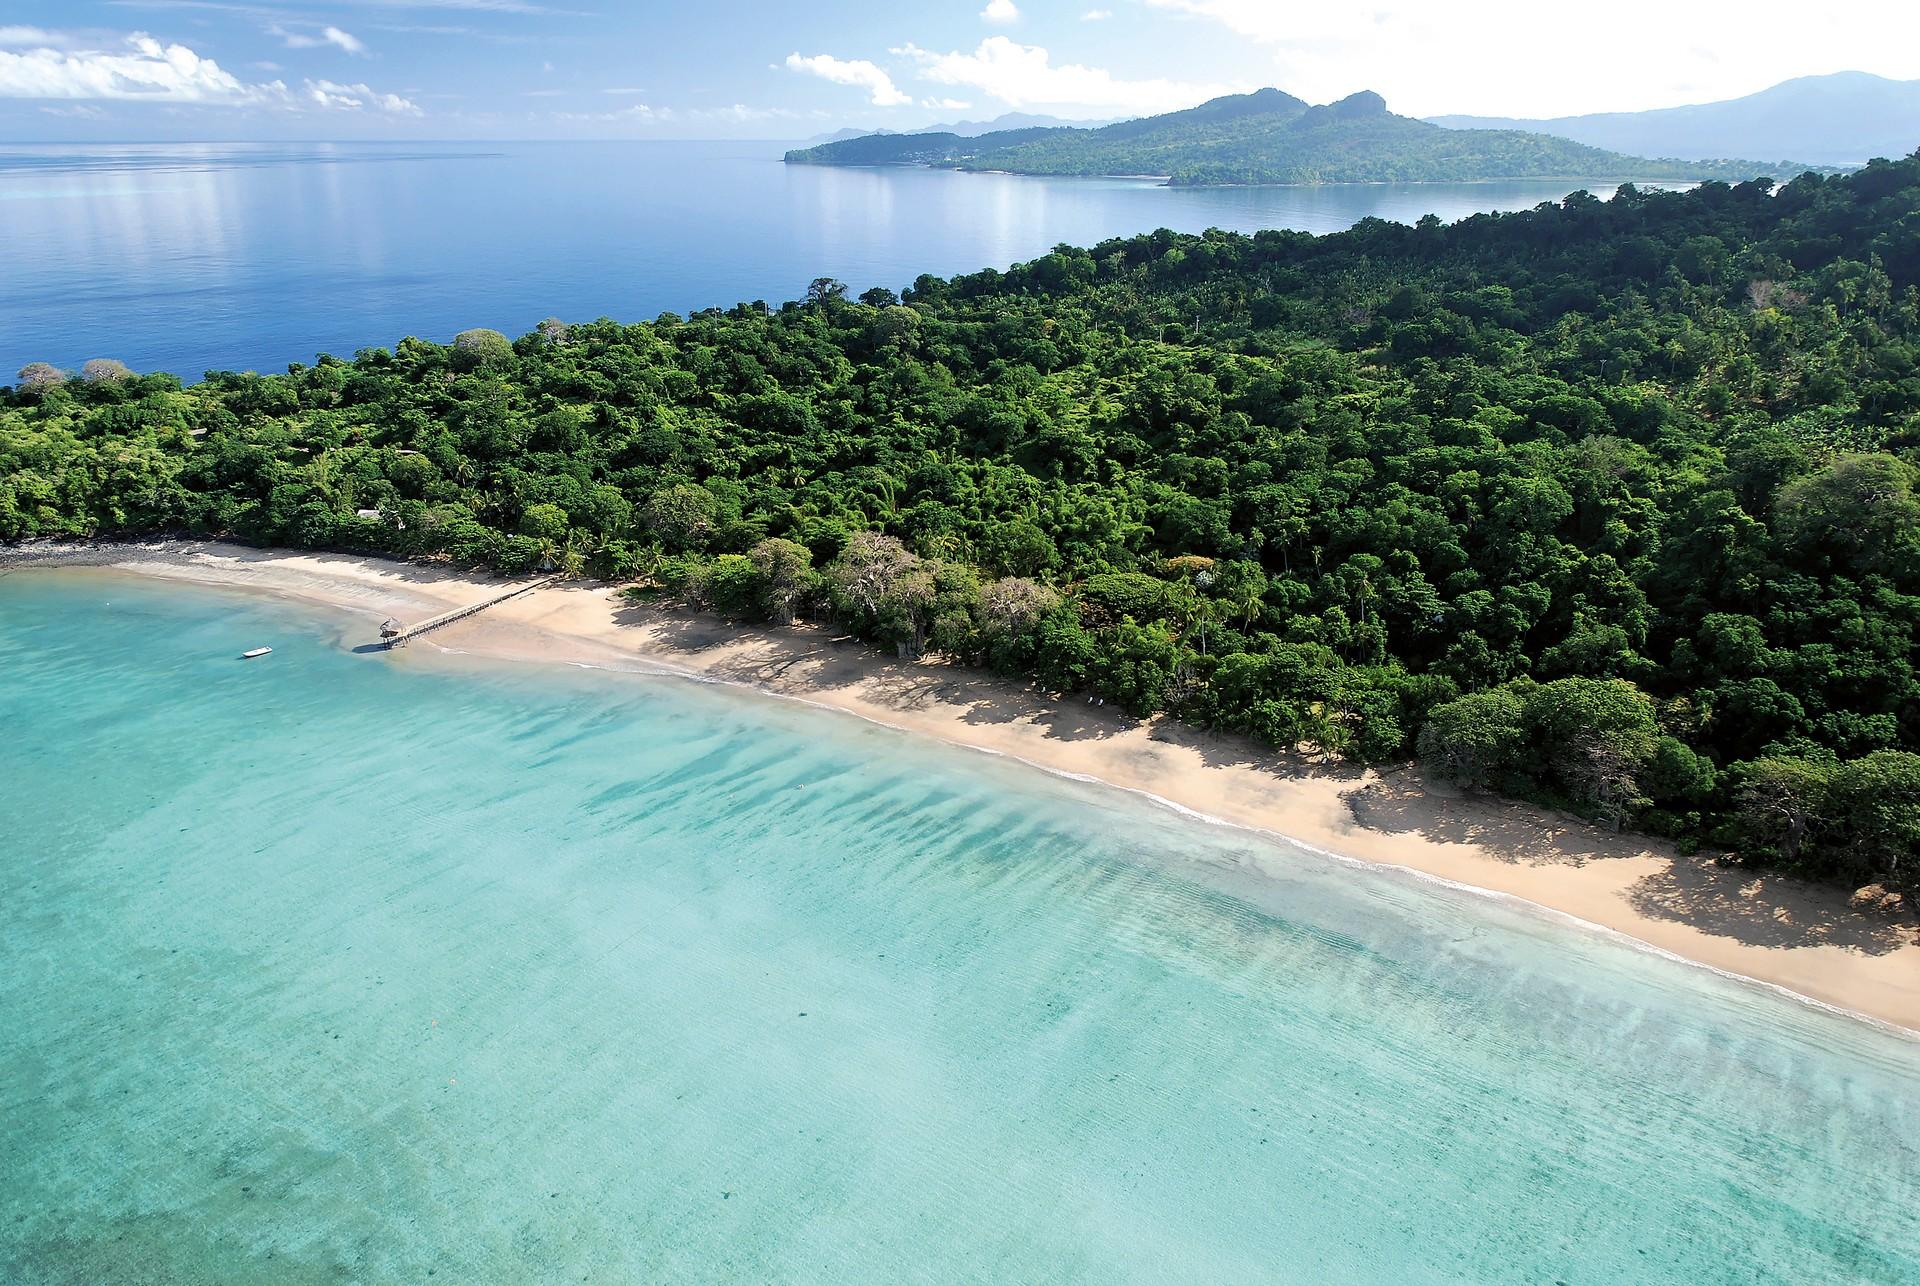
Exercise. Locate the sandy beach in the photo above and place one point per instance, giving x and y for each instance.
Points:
(1775, 930)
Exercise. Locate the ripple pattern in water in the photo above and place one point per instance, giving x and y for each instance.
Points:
(335, 967)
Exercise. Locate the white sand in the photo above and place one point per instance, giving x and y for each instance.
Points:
(1780, 931)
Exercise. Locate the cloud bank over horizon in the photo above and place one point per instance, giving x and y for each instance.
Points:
(143, 70)
(761, 68)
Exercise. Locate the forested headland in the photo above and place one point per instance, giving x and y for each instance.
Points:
(1610, 505)
(1272, 137)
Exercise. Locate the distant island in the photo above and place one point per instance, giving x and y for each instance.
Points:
(1270, 136)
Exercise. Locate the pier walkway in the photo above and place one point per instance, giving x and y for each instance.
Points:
(432, 623)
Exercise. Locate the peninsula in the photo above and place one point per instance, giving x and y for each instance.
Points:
(1272, 137)
(1608, 506)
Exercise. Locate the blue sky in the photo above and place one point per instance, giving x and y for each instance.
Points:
(331, 69)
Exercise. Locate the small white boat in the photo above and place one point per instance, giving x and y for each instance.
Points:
(259, 651)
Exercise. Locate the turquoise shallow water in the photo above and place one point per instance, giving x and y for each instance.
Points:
(340, 967)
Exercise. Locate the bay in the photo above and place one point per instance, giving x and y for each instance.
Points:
(197, 257)
(358, 967)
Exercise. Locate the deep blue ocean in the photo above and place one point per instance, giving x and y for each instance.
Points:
(191, 258)
(397, 967)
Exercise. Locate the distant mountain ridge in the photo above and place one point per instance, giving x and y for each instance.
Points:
(1269, 136)
(971, 129)
(842, 135)
(1013, 120)
(1846, 118)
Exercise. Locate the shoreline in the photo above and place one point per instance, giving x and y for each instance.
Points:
(1166, 180)
(1763, 927)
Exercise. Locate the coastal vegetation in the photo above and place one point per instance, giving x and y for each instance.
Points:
(1272, 137)
(1612, 505)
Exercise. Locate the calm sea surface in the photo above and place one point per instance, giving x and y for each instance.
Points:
(221, 256)
(342, 967)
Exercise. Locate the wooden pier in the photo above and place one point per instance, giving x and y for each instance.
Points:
(412, 632)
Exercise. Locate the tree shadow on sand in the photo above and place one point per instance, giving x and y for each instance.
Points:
(1771, 911)
(1402, 803)
(787, 659)
(1763, 910)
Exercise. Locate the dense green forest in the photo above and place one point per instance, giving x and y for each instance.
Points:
(1272, 137)
(1607, 504)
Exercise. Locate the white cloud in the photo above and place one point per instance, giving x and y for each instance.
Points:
(638, 113)
(1002, 12)
(145, 71)
(14, 37)
(646, 114)
(353, 97)
(946, 104)
(1026, 76)
(1096, 15)
(881, 90)
(740, 112)
(1495, 56)
(1265, 21)
(327, 36)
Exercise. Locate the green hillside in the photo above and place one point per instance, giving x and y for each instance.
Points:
(1272, 137)
(1611, 504)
